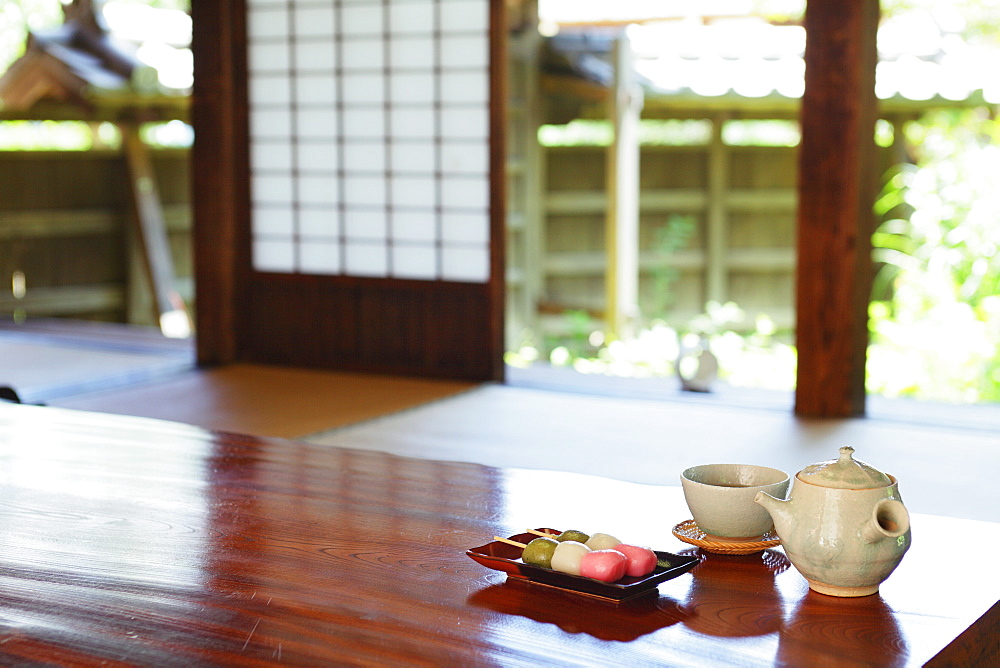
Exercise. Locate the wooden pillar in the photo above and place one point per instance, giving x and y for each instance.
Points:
(717, 216)
(219, 191)
(535, 182)
(836, 190)
(622, 184)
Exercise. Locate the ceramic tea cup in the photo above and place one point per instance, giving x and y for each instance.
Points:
(721, 497)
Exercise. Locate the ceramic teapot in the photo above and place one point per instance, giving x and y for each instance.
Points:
(844, 526)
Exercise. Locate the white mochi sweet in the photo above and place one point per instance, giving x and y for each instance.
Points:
(568, 555)
(602, 541)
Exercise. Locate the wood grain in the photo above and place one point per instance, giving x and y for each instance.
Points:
(132, 541)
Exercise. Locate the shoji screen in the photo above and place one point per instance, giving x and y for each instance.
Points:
(369, 138)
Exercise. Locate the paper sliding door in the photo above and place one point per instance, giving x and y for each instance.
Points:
(367, 185)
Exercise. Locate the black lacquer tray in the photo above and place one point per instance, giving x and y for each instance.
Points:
(507, 558)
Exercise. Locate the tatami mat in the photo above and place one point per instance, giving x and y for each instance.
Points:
(128, 370)
(265, 400)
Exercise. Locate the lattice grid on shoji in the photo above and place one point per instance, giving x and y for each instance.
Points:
(369, 137)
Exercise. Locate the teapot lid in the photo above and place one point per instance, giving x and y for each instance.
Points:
(844, 472)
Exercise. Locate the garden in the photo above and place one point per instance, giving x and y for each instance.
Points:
(935, 308)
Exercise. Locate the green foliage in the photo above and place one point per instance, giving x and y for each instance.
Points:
(761, 133)
(748, 355)
(577, 342)
(935, 317)
(19, 16)
(81, 136)
(45, 136)
(672, 236)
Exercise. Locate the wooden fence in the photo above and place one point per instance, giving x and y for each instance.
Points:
(716, 222)
(68, 239)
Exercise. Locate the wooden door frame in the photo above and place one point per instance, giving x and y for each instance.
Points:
(238, 319)
(219, 165)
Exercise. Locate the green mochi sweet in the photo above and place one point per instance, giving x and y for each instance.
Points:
(539, 552)
(573, 534)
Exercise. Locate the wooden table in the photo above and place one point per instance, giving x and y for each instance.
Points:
(132, 541)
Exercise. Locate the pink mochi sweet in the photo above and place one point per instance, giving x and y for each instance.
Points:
(641, 560)
(604, 565)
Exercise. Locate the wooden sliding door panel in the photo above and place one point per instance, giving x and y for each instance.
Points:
(368, 207)
(403, 326)
(302, 323)
(366, 326)
(398, 322)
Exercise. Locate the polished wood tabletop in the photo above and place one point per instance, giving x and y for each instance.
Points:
(128, 541)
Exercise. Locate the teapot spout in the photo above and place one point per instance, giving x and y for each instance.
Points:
(778, 509)
(889, 519)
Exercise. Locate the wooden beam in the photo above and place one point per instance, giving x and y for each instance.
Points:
(152, 236)
(64, 300)
(758, 259)
(622, 183)
(55, 223)
(117, 108)
(534, 178)
(570, 202)
(835, 220)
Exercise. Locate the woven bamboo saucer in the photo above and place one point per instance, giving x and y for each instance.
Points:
(689, 532)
